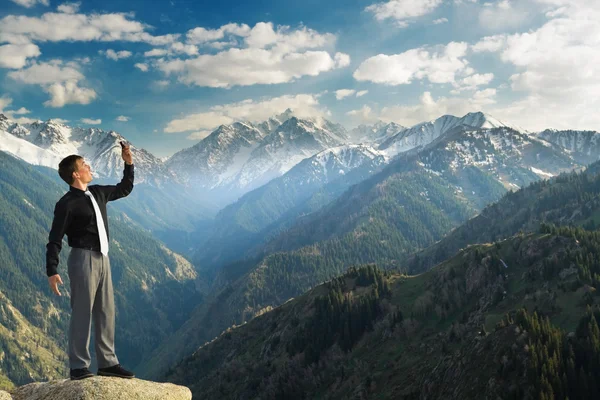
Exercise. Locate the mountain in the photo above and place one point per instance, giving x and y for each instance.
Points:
(424, 133)
(48, 142)
(412, 203)
(584, 145)
(237, 158)
(486, 323)
(155, 288)
(375, 134)
(477, 165)
(569, 199)
(261, 213)
(216, 159)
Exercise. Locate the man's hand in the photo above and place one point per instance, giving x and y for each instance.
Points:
(126, 153)
(54, 280)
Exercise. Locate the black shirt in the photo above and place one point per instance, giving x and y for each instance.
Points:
(74, 215)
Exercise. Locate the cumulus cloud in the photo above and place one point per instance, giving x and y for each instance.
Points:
(504, 14)
(31, 3)
(556, 69)
(20, 29)
(415, 64)
(14, 115)
(16, 56)
(69, 8)
(402, 11)
(363, 115)
(303, 105)
(473, 81)
(342, 93)
(90, 121)
(62, 93)
(264, 54)
(490, 44)
(440, 21)
(141, 66)
(122, 118)
(250, 66)
(115, 55)
(361, 93)
(59, 80)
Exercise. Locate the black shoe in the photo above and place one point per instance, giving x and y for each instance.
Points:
(81, 373)
(116, 370)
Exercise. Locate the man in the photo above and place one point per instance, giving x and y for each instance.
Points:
(81, 215)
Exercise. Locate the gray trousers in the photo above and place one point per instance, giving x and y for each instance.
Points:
(92, 297)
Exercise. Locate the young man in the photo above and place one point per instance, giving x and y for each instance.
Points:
(81, 215)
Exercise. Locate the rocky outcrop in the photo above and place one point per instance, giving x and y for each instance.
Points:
(4, 395)
(101, 388)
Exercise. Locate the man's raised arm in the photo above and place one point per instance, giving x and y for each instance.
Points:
(123, 188)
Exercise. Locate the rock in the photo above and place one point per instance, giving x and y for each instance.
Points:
(102, 388)
(5, 395)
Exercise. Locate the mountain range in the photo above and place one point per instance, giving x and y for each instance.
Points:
(287, 204)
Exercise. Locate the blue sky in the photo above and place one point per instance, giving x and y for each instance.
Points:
(164, 76)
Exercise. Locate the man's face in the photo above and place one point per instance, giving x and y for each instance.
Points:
(84, 172)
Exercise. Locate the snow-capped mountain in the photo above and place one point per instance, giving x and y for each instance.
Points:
(47, 142)
(292, 142)
(219, 157)
(583, 144)
(375, 134)
(511, 157)
(424, 133)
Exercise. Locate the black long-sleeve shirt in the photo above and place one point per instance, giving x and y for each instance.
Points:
(74, 215)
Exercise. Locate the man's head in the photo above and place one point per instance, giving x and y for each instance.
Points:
(74, 168)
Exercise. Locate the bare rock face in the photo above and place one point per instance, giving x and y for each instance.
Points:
(101, 388)
(4, 395)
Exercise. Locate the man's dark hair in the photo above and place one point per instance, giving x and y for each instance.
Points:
(67, 166)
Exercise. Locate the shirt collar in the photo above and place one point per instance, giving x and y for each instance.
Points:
(77, 191)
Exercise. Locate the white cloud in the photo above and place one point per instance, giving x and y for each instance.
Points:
(69, 8)
(199, 135)
(55, 27)
(21, 111)
(250, 66)
(115, 55)
(490, 43)
(271, 55)
(6, 101)
(440, 21)
(59, 80)
(557, 69)
(89, 121)
(141, 66)
(415, 64)
(361, 93)
(122, 118)
(402, 11)
(504, 14)
(363, 115)
(63, 93)
(156, 53)
(60, 120)
(473, 81)
(15, 56)
(31, 3)
(340, 94)
(201, 35)
(303, 105)
(47, 73)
